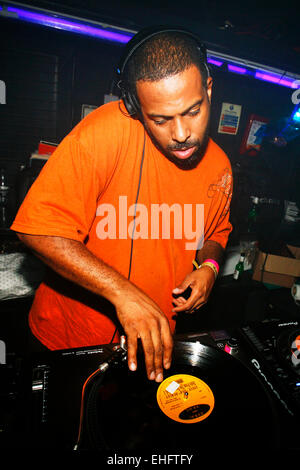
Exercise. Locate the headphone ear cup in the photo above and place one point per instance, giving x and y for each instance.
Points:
(130, 103)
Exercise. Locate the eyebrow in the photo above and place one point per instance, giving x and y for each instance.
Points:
(199, 102)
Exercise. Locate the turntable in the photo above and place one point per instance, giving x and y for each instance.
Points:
(272, 349)
(87, 399)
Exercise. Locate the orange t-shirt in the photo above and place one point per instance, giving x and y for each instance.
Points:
(87, 191)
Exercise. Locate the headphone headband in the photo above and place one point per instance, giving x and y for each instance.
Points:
(135, 42)
(146, 34)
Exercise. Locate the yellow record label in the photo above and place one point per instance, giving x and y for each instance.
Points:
(185, 398)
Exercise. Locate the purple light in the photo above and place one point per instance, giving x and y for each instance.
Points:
(289, 82)
(236, 69)
(218, 63)
(66, 25)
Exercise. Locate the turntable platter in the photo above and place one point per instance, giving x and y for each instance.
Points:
(208, 399)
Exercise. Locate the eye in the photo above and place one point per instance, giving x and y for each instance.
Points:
(160, 122)
(194, 112)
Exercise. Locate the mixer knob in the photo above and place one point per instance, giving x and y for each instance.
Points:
(231, 345)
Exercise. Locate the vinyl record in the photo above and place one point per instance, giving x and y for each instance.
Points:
(185, 398)
(208, 399)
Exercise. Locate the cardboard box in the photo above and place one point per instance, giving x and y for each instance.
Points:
(279, 270)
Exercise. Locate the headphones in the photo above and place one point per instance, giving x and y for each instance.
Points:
(129, 98)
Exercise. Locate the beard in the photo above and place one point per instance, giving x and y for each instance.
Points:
(188, 163)
(192, 161)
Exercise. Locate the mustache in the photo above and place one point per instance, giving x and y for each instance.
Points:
(191, 162)
(184, 145)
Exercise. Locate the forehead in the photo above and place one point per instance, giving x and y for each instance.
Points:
(172, 94)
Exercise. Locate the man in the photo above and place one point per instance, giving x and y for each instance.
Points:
(95, 213)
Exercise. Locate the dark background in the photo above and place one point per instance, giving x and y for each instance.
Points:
(50, 74)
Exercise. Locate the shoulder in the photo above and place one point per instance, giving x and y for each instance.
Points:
(103, 137)
(106, 123)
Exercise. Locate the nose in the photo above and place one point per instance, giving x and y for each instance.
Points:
(180, 129)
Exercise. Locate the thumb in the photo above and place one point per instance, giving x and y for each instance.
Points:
(182, 287)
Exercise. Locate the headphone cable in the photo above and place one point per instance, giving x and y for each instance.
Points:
(134, 218)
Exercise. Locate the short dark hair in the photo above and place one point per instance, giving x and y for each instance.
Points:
(163, 55)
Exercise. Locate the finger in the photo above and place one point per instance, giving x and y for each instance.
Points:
(158, 356)
(179, 301)
(167, 341)
(131, 352)
(189, 304)
(198, 306)
(181, 288)
(177, 290)
(149, 353)
(163, 344)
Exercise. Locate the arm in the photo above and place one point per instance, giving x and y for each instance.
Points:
(138, 314)
(200, 281)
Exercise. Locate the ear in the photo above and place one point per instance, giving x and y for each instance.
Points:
(209, 84)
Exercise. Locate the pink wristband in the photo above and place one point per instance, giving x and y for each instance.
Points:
(213, 262)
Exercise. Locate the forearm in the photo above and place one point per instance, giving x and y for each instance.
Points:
(210, 250)
(200, 281)
(72, 260)
(140, 317)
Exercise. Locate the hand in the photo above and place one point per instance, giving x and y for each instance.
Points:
(138, 314)
(201, 283)
(142, 318)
